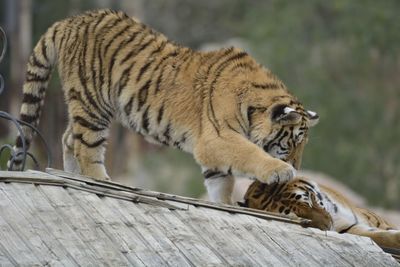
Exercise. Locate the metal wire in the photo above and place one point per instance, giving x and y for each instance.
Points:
(24, 154)
(2, 54)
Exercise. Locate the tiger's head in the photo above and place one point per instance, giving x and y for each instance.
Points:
(276, 120)
(272, 117)
(281, 129)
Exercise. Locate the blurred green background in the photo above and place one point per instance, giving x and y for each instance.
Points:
(341, 58)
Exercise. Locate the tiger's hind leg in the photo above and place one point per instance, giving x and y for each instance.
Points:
(219, 186)
(90, 132)
(384, 238)
(70, 162)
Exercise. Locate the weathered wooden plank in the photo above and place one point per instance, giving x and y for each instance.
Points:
(288, 255)
(149, 232)
(181, 199)
(105, 188)
(15, 247)
(366, 252)
(75, 216)
(45, 243)
(29, 175)
(5, 258)
(313, 240)
(308, 245)
(225, 233)
(127, 241)
(54, 224)
(189, 243)
(280, 241)
(13, 215)
(270, 254)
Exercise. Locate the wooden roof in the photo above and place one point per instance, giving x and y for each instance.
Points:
(60, 219)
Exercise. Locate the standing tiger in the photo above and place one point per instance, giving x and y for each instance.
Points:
(231, 113)
(326, 208)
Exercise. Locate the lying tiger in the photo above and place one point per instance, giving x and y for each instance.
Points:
(223, 107)
(327, 209)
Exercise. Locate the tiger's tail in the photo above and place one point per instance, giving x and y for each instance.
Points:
(38, 73)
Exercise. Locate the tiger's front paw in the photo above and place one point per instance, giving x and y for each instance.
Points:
(280, 173)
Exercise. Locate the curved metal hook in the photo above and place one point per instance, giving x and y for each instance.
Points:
(24, 153)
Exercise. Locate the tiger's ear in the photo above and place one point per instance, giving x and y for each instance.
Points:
(285, 115)
(313, 118)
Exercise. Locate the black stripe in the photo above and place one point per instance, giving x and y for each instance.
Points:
(182, 61)
(94, 67)
(159, 49)
(218, 72)
(97, 69)
(29, 98)
(128, 106)
(85, 123)
(63, 46)
(143, 92)
(307, 183)
(257, 189)
(143, 70)
(145, 120)
(88, 96)
(166, 133)
(75, 95)
(35, 62)
(137, 49)
(265, 86)
(273, 142)
(121, 46)
(226, 52)
(44, 48)
(188, 63)
(243, 65)
(29, 118)
(90, 145)
(95, 101)
(53, 37)
(160, 114)
(125, 76)
(145, 45)
(159, 80)
(163, 64)
(273, 191)
(99, 20)
(348, 228)
(33, 77)
(114, 37)
(63, 37)
(241, 125)
(231, 127)
(294, 102)
(18, 142)
(213, 174)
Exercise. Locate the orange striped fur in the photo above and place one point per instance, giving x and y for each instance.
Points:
(327, 209)
(221, 106)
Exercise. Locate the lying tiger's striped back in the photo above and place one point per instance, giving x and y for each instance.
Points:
(328, 209)
(221, 106)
